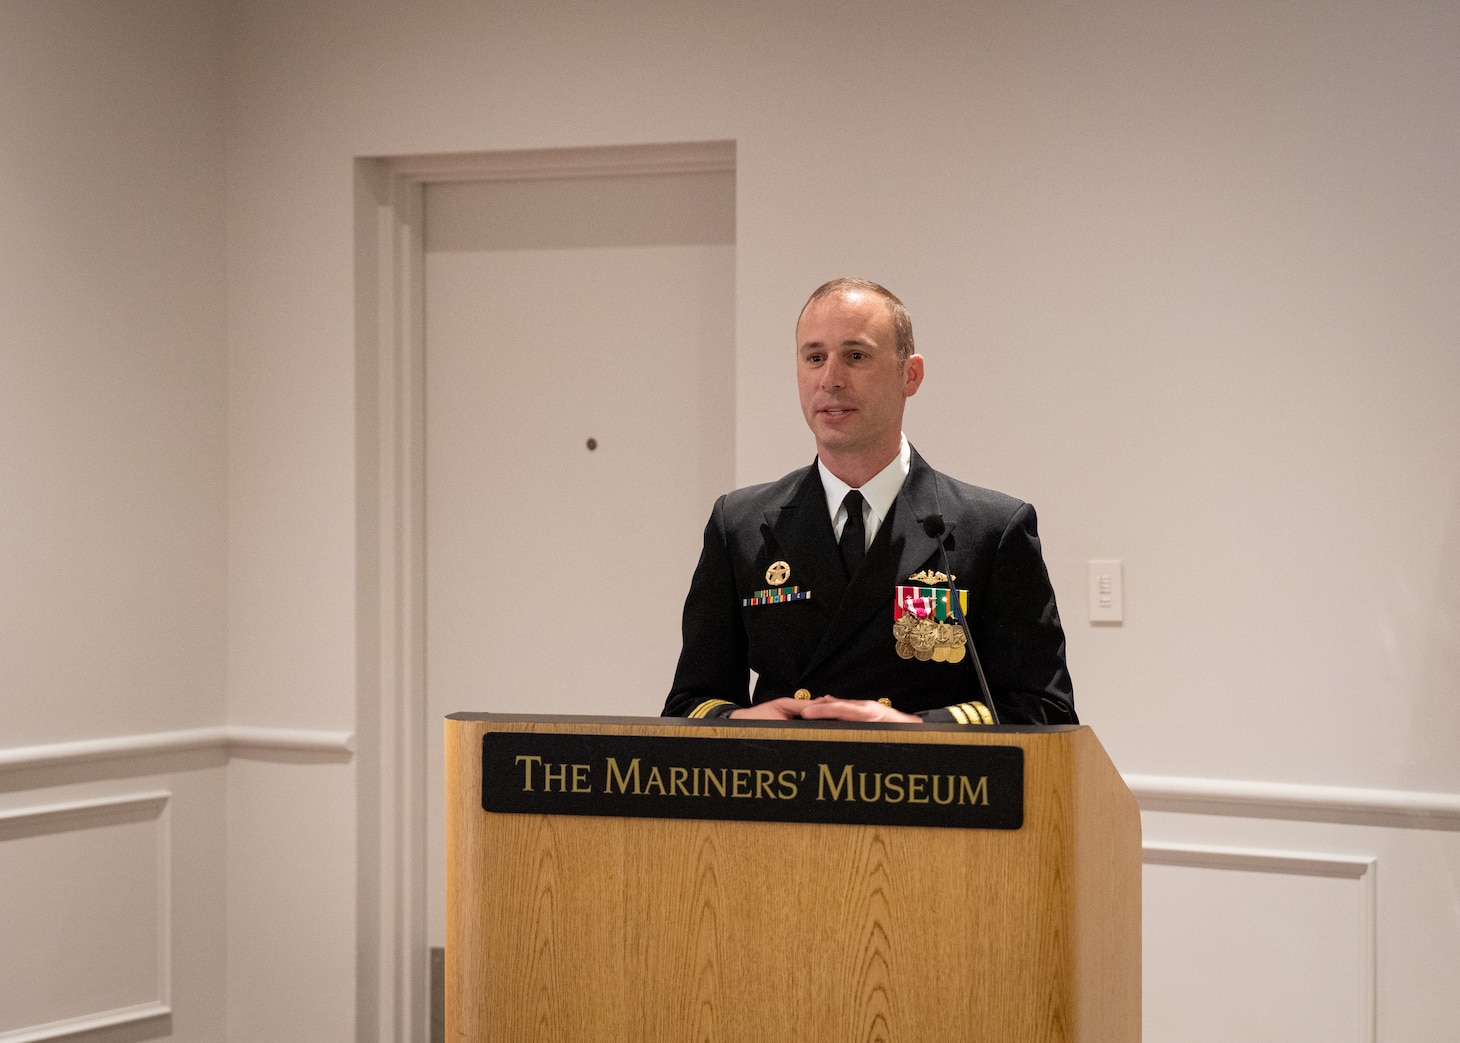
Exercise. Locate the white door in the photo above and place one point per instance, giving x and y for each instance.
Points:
(579, 424)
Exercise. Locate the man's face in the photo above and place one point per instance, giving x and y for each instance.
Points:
(851, 385)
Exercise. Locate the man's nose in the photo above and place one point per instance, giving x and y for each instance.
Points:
(831, 374)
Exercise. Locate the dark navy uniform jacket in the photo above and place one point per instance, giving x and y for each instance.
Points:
(839, 640)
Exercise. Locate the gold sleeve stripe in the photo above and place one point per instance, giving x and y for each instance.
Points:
(708, 705)
(971, 713)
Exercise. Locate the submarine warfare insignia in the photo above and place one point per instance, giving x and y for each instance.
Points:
(925, 625)
(931, 577)
(778, 573)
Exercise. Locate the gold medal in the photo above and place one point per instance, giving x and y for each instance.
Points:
(778, 573)
(925, 625)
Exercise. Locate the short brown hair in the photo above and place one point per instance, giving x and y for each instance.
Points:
(901, 320)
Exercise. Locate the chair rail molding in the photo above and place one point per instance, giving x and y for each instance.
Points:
(1305, 803)
(232, 739)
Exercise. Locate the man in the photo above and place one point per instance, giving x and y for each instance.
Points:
(832, 598)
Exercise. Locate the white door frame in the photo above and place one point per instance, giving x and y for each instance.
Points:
(392, 996)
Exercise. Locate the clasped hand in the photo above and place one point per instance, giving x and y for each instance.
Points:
(825, 708)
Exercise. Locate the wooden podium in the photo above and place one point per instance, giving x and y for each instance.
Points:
(595, 927)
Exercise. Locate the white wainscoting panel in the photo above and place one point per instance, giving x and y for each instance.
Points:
(1258, 945)
(86, 915)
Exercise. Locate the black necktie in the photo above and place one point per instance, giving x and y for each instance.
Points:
(853, 543)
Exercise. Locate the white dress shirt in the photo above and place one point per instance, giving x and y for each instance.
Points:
(879, 493)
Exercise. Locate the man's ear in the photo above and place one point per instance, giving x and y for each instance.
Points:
(912, 375)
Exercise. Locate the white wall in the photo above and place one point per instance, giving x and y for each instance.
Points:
(111, 433)
(112, 517)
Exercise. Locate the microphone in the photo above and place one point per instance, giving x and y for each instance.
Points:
(934, 528)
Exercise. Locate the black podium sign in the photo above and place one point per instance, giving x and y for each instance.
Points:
(862, 783)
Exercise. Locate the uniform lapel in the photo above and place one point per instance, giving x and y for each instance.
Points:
(919, 495)
(803, 537)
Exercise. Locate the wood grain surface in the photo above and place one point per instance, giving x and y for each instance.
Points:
(568, 928)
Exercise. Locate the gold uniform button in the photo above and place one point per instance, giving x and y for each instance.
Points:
(803, 694)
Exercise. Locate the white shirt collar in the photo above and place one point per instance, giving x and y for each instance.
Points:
(879, 493)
